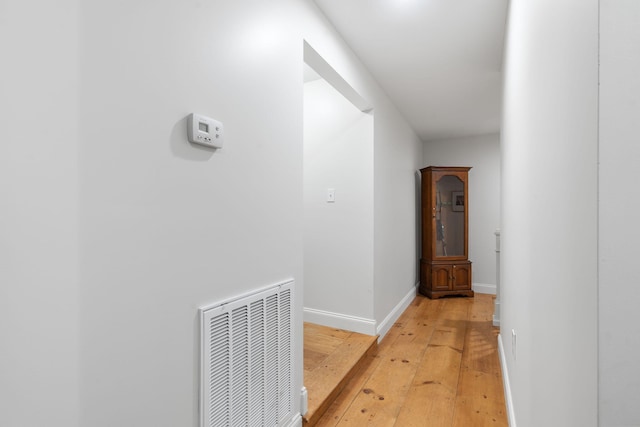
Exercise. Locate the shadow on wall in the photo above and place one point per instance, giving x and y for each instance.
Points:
(182, 148)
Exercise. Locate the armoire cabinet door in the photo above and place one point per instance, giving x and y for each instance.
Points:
(462, 276)
(441, 277)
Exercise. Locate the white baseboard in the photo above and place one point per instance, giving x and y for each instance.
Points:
(296, 421)
(340, 321)
(511, 415)
(496, 313)
(397, 311)
(484, 288)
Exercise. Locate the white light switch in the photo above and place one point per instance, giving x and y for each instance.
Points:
(331, 195)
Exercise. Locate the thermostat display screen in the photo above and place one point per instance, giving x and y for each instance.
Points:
(203, 127)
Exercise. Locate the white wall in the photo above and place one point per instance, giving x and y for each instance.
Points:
(338, 237)
(165, 226)
(549, 211)
(38, 214)
(619, 230)
(482, 153)
(160, 227)
(397, 155)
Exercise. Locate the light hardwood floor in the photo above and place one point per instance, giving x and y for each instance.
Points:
(437, 366)
(331, 358)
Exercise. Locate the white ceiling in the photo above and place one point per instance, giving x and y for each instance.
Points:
(440, 61)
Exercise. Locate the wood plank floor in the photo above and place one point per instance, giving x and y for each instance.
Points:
(438, 366)
(331, 358)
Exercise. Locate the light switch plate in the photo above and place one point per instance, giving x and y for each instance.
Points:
(331, 195)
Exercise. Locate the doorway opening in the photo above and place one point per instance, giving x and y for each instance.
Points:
(338, 229)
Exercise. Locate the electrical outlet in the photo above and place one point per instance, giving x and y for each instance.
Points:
(514, 343)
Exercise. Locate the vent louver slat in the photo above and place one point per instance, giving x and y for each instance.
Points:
(257, 379)
(285, 379)
(271, 363)
(219, 362)
(240, 367)
(247, 361)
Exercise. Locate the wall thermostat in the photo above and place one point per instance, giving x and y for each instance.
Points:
(205, 131)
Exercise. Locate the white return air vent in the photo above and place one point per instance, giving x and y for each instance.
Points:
(246, 360)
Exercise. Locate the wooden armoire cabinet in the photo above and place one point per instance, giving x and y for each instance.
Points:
(445, 268)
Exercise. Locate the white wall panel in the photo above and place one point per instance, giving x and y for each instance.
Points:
(549, 283)
(619, 230)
